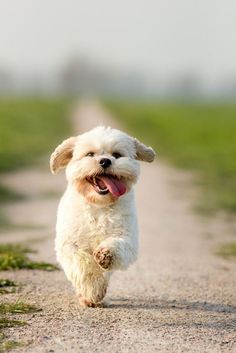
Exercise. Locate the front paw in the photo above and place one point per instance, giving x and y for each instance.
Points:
(104, 258)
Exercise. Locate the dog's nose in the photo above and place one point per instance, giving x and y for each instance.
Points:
(105, 162)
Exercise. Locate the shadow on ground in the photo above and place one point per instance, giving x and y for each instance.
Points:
(172, 304)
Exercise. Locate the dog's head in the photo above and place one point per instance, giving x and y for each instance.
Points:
(101, 163)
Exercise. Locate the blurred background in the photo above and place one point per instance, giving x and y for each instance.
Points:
(158, 49)
(166, 69)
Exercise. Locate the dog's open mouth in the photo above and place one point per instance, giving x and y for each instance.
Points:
(105, 183)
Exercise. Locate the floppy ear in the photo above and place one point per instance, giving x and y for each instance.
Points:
(144, 153)
(62, 154)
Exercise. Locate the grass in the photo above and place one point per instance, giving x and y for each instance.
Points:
(227, 250)
(7, 309)
(7, 283)
(30, 128)
(5, 322)
(7, 290)
(18, 308)
(198, 137)
(4, 222)
(8, 195)
(15, 308)
(14, 257)
(15, 248)
(6, 346)
(7, 286)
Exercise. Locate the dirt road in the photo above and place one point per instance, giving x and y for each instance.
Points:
(178, 297)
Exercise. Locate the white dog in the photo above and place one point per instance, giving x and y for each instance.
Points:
(96, 228)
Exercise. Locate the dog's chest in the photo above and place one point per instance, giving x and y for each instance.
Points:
(87, 226)
(99, 225)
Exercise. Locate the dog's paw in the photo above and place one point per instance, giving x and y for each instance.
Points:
(86, 303)
(104, 258)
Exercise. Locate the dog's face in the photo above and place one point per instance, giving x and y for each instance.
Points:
(101, 163)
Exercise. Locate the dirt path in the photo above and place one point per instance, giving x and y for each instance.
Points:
(178, 297)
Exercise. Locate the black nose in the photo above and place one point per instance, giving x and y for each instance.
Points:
(105, 162)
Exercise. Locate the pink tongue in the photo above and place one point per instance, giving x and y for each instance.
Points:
(115, 186)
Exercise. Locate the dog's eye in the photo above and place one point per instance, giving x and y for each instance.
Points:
(90, 154)
(116, 155)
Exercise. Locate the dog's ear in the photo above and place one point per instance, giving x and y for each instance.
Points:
(144, 153)
(62, 155)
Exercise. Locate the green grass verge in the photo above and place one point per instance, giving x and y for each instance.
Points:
(14, 256)
(29, 129)
(8, 195)
(196, 137)
(227, 250)
(4, 222)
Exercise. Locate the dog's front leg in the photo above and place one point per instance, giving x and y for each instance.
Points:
(116, 253)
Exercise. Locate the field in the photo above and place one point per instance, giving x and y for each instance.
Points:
(198, 137)
(29, 128)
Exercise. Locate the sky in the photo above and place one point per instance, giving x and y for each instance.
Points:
(161, 38)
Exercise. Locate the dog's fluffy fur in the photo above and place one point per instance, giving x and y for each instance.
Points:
(96, 230)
